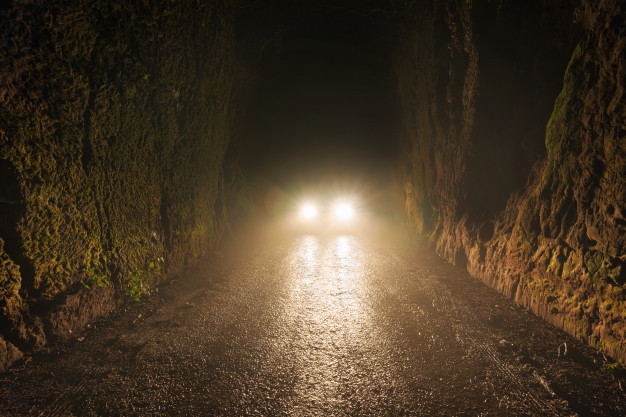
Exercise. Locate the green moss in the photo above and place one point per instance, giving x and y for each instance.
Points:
(138, 285)
(141, 282)
(117, 139)
(603, 269)
(615, 367)
(593, 261)
(565, 96)
(557, 127)
(542, 290)
(96, 279)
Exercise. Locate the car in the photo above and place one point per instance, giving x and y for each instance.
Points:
(320, 215)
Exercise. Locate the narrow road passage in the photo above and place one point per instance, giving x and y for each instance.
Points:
(318, 325)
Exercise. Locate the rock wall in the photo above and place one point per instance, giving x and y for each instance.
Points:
(114, 121)
(522, 184)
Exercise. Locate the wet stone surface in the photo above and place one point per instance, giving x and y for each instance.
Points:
(312, 325)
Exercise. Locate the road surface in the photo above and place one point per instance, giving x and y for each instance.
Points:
(318, 325)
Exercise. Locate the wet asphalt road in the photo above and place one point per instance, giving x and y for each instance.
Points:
(318, 325)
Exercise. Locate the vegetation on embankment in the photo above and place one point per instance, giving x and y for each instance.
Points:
(114, 121)
(523, 185)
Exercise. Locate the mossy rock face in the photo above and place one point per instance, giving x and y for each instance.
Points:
(114, 118)
(559, 236)
(603, 268)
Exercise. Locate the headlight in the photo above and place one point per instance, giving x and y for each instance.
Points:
(308, 211)
(343, 211)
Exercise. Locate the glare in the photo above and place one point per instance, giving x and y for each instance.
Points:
(308, 211)
(325, 297)
(344, 211)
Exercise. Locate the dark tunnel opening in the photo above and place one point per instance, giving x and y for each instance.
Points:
(321, 109)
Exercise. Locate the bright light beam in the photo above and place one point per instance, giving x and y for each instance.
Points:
(308, 211)
(344, 212)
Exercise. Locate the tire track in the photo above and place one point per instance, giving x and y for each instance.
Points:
(459, 315)
(144, 331)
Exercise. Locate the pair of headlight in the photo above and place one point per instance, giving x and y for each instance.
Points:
(340, 211)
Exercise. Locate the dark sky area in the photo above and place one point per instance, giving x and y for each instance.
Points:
(322, 106)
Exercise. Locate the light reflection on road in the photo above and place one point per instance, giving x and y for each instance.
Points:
(328, 315)
(320, 325)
